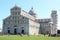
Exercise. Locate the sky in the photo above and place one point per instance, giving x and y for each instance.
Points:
(42, 8)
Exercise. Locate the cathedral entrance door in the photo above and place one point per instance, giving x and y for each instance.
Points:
(22, 31)
(8, 31)
(15, 31)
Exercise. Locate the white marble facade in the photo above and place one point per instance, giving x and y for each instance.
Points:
(22, 22)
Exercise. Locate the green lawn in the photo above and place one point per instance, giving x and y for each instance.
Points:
(25, 37)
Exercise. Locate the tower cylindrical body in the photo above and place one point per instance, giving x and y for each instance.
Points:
(54, 20)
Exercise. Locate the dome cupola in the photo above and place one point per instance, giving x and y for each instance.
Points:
(31, 12)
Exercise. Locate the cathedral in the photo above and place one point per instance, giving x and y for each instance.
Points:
(22, 22)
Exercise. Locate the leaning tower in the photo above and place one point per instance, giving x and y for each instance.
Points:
(54, 20)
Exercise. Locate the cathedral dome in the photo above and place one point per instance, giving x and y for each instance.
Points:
(31, 12)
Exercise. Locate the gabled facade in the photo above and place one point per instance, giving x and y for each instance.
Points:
(20, 22)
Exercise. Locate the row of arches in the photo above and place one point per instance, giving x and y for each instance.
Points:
(15, 31)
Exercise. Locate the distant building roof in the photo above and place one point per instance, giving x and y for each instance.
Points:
(44, 20)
